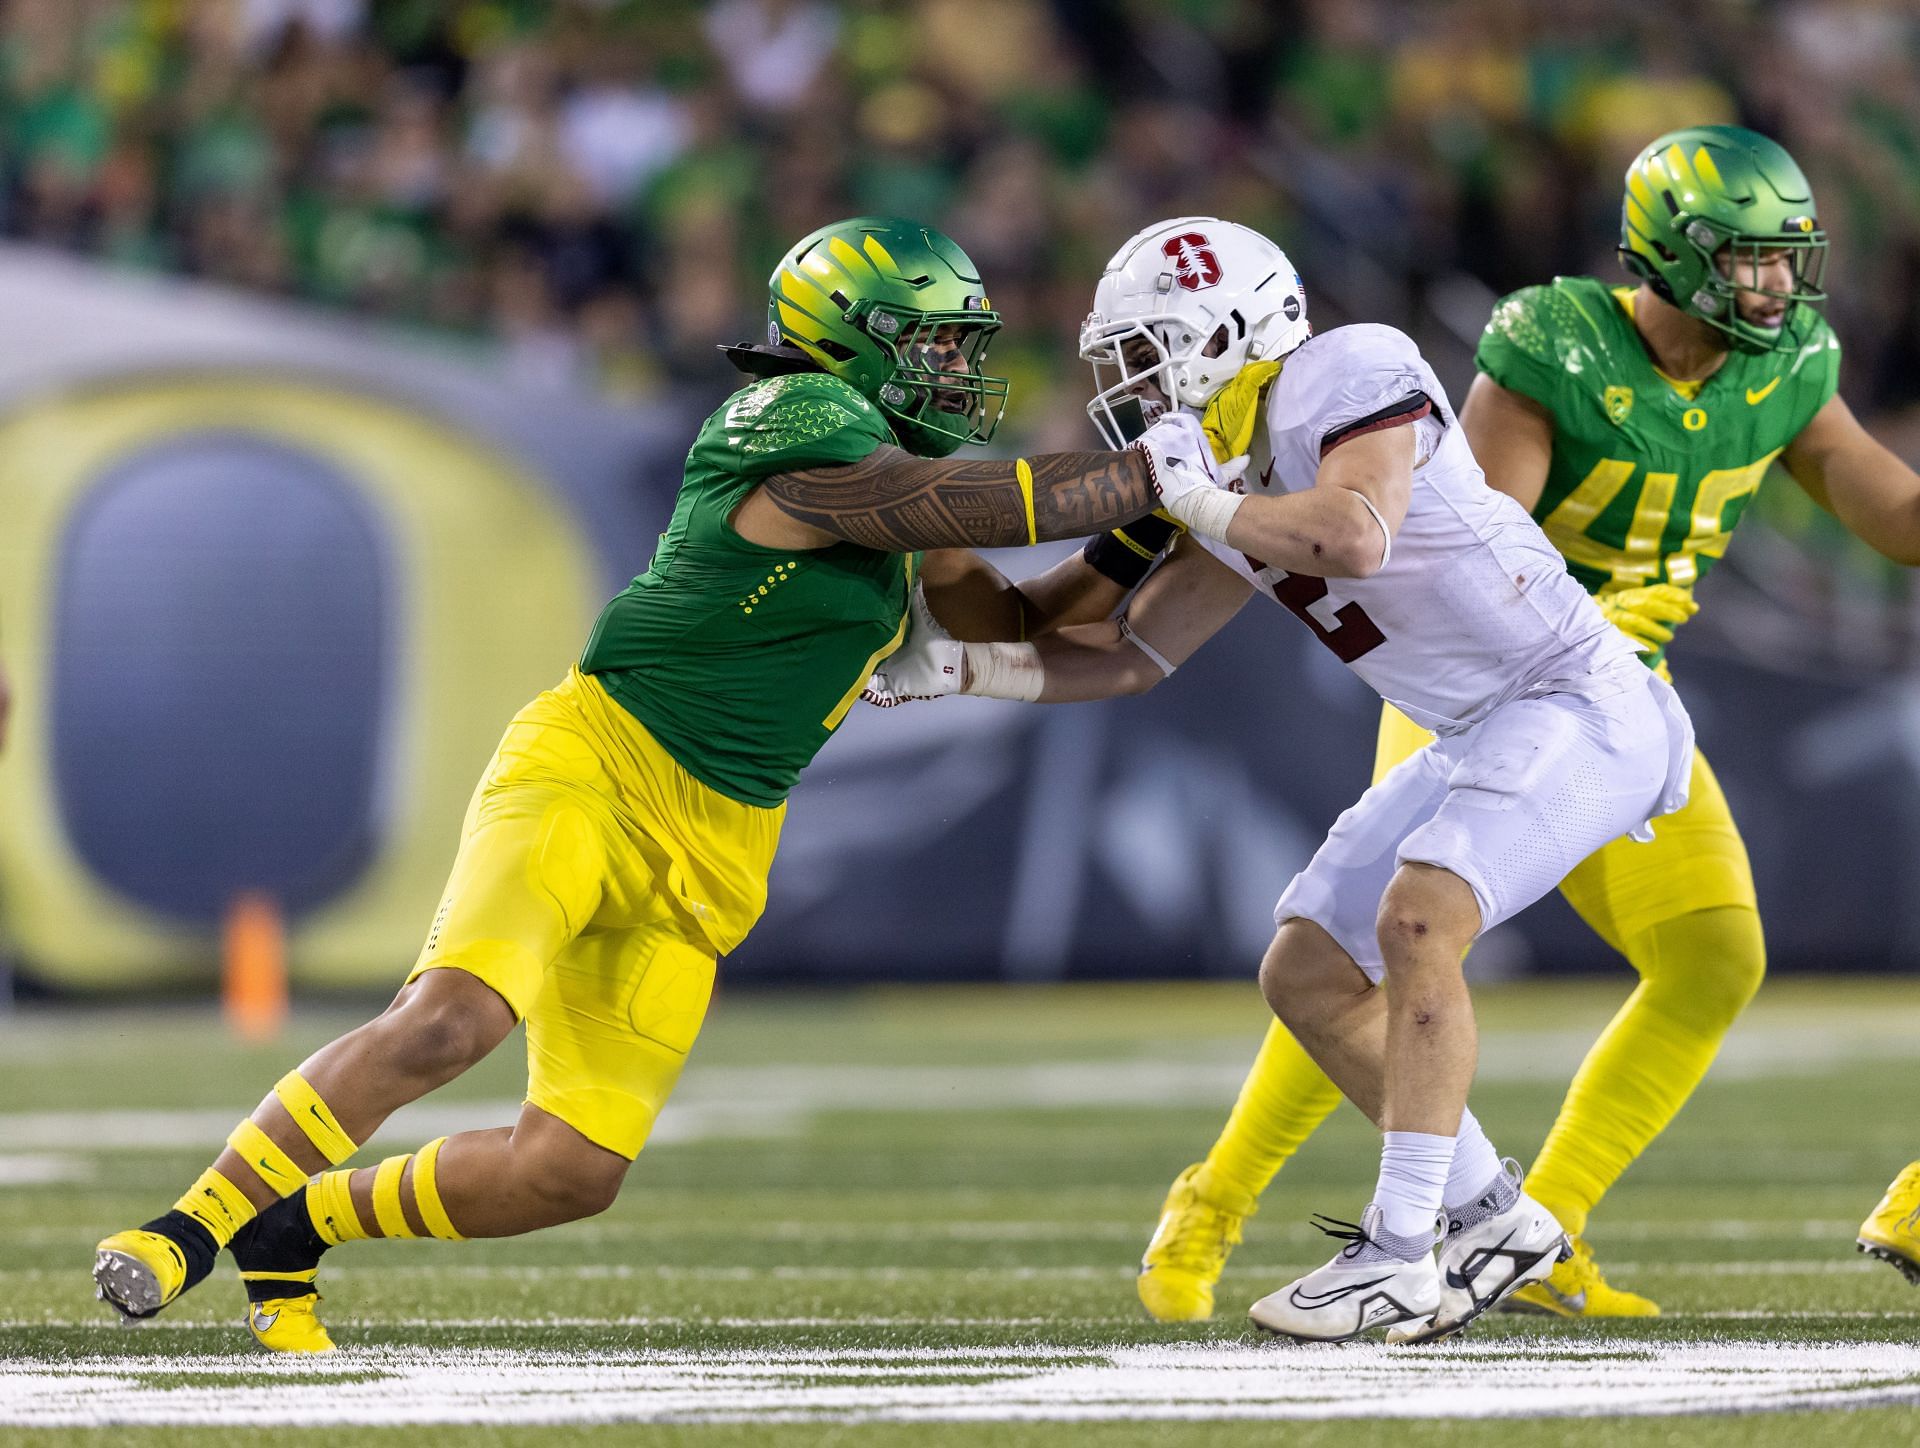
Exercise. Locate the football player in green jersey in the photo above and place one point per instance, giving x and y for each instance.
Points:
(1635, 423)
(621, 837)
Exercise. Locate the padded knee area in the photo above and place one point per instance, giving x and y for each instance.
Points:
(1701, 969)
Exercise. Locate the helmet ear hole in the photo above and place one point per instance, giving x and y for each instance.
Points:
(1217, 343)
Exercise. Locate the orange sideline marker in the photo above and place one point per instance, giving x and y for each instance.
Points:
(253, 977)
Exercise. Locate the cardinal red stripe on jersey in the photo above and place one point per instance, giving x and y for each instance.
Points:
(1407, 409)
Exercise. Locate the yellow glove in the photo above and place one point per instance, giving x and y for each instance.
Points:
(1649, 615)
(1230, 417)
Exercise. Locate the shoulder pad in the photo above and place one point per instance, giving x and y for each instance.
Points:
(1350, 373)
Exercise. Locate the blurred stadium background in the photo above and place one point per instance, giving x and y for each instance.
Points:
(353, 346)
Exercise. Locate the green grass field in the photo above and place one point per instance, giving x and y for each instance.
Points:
(913, 1217)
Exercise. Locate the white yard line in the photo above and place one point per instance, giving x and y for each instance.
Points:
(1034, 1384)
(671, 1230)
(44, 1168)
(366, 1318)
(873, 1272)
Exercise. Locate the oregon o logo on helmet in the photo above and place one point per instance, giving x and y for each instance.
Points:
(1194, 264)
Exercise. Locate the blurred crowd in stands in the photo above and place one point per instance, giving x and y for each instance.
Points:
(601, 185)
(596, 189)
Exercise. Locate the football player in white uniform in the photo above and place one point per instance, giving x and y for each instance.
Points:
(1351, 499)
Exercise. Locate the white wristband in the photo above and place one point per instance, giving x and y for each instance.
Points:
(1207, 511)
(1005, 671)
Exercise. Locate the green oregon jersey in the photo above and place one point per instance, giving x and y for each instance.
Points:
(742, 660)
(1646, 483)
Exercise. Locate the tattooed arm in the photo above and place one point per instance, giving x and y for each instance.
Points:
(896, 501)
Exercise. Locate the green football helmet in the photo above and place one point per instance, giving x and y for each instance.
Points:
(1698, 192)
(882, 303)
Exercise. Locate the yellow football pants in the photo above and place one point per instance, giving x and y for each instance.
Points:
(1681, 909)
(595, 881)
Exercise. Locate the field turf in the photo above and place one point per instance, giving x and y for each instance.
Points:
(913, 1217)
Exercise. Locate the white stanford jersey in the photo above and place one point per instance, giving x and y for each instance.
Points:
(1475, 607)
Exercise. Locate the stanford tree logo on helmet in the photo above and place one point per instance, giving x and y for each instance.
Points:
(1194, 264)
(1183, 307)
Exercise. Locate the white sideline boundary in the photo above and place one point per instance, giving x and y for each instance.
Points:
(402, 1386)
(724, 1102)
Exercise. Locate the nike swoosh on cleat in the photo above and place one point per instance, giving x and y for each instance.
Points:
(1476, 1264)
(264, 1321)
(1756, 397)
(1324, 1299)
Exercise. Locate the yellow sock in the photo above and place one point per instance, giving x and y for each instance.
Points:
(1697, 973)
(271, 1164)
(330, 1207)
(218, 1205)
(1284, 1098)
(426, 1192)
(330, 1200)
(314, 1118)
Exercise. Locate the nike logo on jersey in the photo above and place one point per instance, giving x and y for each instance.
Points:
(1324, 1299)
(1755, 398)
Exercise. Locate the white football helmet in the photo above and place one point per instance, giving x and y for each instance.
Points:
(1208, 296)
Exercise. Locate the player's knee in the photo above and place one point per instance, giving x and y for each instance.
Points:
(1305, 975)
(573, 1199)
(571, 1186)
(1273, 982)
(1427, 915)
(1705, 966)
(441, 1031)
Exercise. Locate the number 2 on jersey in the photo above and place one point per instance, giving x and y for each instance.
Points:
(1353, 636)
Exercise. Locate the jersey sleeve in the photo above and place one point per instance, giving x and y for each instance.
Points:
(1816, 370)
(1518, 348)
(804, 420)
(1351, 381)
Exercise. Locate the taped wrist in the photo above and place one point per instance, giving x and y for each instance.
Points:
(1004, 671)
(1127, 555)
(1207, 511)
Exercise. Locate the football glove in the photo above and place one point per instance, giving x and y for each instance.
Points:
(930, 662)
(1191, 484)
(1648, 615)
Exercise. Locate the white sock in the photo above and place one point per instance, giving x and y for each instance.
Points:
(1475, 1163)
(1413, 1177)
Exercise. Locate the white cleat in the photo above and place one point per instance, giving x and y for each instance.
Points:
(1483, 1261)
(1360, 1290)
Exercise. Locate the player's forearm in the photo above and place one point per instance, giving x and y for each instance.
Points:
(1093, 661)
(1069, 593)
(1327, 532)
(1878, 498)
(900, 503)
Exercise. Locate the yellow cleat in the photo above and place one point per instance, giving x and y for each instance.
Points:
(289, 1324)
(1575, 1288)
(1892, 1233)
(138, 1272)
(1189, 1250)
